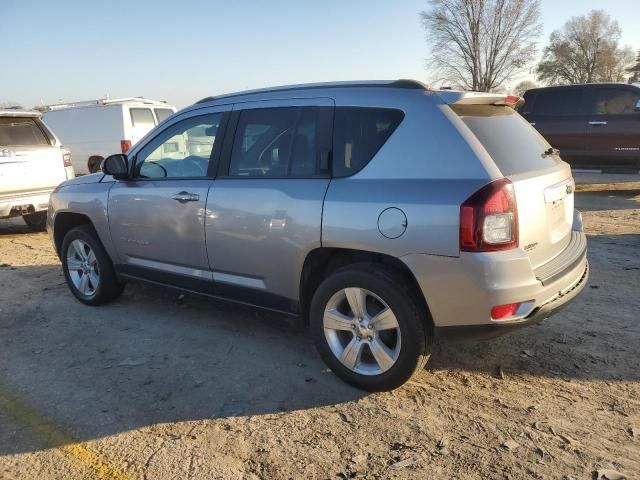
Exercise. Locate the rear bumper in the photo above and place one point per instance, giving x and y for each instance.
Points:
(461, 291)
(485, 332)
(20, 204)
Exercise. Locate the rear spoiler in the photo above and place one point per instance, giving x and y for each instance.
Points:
(451, 97)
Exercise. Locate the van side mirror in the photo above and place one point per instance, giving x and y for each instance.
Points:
(117, 166)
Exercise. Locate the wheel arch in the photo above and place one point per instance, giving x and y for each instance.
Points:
(64, 222)
(321, 262)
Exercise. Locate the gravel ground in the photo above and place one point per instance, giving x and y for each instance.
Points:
(161, 386)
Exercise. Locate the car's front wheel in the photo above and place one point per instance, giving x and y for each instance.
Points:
(369, 327)
(37, 221)
(87, 267)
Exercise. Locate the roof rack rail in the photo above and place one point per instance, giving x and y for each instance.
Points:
(100, 101)
(401, 83)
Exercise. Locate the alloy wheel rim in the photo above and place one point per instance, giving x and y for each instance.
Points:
(83, 267)
(362, 331)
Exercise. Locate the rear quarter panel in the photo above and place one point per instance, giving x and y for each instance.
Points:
(429, 166)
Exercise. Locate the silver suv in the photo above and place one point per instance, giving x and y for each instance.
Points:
(385, 212)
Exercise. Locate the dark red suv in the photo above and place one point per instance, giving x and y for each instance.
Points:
(593, 125)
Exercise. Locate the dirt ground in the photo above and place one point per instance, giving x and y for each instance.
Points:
(162, 386)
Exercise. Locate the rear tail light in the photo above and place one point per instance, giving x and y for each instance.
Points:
(66, 158)
(489, 219)
(503, 311)
(125, 145)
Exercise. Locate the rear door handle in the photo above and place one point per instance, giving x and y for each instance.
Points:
(597, 124)
(184, 197)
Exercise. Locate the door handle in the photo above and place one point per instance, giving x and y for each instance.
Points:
(597, 124)
(183, 197)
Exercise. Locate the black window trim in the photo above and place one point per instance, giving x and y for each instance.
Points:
(325, 134)
(214, 158)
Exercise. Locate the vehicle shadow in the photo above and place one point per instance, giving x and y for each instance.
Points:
(14, 226)
(157, 357)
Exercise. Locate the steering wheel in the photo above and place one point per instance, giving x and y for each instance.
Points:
(156, 164)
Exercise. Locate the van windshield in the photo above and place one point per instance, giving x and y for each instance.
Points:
(514, 145)
(21, 131)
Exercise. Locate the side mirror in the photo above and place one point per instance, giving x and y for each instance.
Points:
(638, 106)
(117, 166)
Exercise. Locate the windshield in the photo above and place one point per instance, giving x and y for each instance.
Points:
(514, 145)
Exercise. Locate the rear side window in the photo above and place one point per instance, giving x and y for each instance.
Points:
(514, 145)
(358, 134)
(277, 142)
(162, 113)
(616, 101)
(21, 131)
(142, 117)
(559, 102)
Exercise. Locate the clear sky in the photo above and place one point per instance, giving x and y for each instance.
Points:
(181, 51)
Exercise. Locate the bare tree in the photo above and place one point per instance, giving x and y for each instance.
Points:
(478, 44)
(523, 86)
(585, 50)
(9, 104)
(634, 70)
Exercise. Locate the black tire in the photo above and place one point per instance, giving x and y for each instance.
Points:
(413, 321)
(36, 221)
(109, 287)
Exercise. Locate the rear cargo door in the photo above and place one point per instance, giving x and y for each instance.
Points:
(28, 161)
(542, 181)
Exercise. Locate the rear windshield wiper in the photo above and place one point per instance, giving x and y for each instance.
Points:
(550, 151)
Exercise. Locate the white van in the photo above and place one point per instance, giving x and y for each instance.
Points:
(96, 129)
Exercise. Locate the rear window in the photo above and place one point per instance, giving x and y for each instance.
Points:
(21, 131)
(163, 113)
(142, 117)
(358, 134)
(514, 145)
(560, 102)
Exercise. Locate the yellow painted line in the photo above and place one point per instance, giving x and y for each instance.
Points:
(55, 437)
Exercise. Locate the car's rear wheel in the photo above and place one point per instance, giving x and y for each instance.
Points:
(37, 221)
(369, 327)
(87, 267)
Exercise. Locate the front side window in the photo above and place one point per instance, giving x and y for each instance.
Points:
(555, 103)
(142, 117)
(276, 143)
(21, 131)
(358, 134)
(616, 101)
(183, 150)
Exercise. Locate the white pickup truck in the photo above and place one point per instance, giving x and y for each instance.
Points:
(95, 129)
(32, 164)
